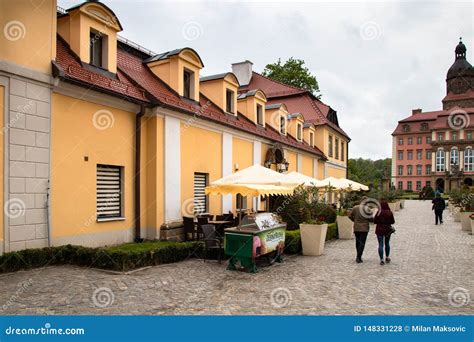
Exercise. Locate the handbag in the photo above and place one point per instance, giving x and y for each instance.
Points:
(392, 230)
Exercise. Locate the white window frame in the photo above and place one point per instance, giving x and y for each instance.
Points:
(454, 156)
(109, 193)
(468, 159)
(440, 161)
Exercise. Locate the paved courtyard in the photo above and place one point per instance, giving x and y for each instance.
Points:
(428, 263)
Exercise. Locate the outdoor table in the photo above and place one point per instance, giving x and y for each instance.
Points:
(220, 225)
(258, 235)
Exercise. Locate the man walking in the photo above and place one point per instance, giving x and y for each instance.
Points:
(438, 206)
(361, 215)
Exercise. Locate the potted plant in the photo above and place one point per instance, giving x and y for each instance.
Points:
(466, 211)
(345, 226)
(313, 237)
(456, 213)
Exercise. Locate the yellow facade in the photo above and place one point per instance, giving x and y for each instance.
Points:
(152, 177)
(248, 106)
(201, 151)
(291, 157)
(28, 33)
(78, 134)
(307, 165)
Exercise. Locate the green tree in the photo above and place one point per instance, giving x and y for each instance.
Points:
(369, 172)
(294, 73)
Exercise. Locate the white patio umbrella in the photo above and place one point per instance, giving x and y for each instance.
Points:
(336, 183)
(254, 181)
(303, 179)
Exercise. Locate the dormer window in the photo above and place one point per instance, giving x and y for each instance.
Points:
(259, 111)
(406, 128)
(299, 132)
(311, 139)
(282, 125)
(229, 101)
(187, 83)
(98, 49)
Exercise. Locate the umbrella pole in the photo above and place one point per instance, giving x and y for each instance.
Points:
(240, 211)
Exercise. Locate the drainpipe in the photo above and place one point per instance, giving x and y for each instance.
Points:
(138, 138)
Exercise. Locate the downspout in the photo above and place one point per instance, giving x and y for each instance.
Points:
(347, 160)
(138, 138)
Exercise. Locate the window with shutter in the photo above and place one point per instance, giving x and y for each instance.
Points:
(109, 191)
(200, 198)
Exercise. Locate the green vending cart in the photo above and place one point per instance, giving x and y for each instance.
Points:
(259, 235)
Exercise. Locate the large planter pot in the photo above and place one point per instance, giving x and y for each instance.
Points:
(450, 207)
(456, 214)
(393, 206)
(472, 227)
(397, 205)
(465, 220)
(402, 204)
(345, 227)
(313, 238)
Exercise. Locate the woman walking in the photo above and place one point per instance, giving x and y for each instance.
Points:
(384, 220)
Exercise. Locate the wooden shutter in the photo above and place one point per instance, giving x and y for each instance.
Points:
(200, 198)
(109, 191)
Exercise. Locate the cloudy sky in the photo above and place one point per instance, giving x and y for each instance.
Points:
(374, 61)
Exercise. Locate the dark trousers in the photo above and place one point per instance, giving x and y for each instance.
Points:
(438, 216)
(382, 239)
(360, 238)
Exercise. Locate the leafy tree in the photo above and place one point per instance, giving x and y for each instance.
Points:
(294, 73)
(369, 172)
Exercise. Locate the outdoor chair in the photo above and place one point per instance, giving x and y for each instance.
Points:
(200, 222)
(189, 228)
(211, 242)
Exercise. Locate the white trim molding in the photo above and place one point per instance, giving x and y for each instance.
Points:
(172, 167)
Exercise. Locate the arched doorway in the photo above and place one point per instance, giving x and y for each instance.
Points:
(440, 185)
(468, 181)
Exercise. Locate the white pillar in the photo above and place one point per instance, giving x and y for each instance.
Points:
(172, 169)
(257, 160)
(299, 163)
(447, 161)
(315, 168)
(226, 168)
(461, 159)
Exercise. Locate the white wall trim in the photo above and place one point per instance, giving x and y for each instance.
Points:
(90, 95)
(337, 166)
(315, 168)
(172, 172)
(299, 162)
(227, 168)
(257, 160)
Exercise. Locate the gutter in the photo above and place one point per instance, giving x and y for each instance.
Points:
(138, 138)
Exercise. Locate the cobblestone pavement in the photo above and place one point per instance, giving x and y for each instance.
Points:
(428, 262)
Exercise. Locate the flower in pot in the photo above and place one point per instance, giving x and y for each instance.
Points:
(313, 236)
(467, 209)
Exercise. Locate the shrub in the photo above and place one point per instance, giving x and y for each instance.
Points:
(293, 239)
(118, 258)
(323, 212)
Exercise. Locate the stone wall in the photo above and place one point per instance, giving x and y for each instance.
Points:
(27, 163)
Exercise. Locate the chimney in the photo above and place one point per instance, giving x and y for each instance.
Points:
(243, 72)
(416, 111)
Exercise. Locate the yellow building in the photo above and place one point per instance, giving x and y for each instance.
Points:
(105, 142)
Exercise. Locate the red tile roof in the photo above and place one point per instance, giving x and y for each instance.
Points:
(72, 69)
(435, 120)
(296, 99)
(138, 81)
